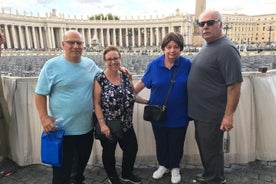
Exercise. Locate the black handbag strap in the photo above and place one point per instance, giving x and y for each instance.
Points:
(170, 88)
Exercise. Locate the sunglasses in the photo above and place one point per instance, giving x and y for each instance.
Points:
(208, 22)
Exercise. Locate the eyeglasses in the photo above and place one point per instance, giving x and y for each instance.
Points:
(72, 43)
(113, 59)
(208, 22)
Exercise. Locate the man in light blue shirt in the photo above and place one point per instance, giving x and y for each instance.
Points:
(67, 81)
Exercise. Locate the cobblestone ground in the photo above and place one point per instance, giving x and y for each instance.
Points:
(258, 172)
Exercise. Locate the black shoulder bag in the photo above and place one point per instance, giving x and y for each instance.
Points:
(156, 113)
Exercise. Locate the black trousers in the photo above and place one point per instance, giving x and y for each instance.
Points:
(129, 147)
(79, 146)
(75, 178)
(209, 139)
(169, 145)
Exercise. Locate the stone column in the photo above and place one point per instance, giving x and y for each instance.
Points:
(114, 37)
(108, 36)
(139, 37)
(163, 32)
(133, 37)
(145, 37)
(96, 34)
(157, 36)
(53, 38)
(41, 38)
(102, 37)
(28, 37)
(21, 38)
(34, 37)
(63, 32)
(14, 37)
(151, 36)
(83, 36)
(48, 38)
(58, 33)
(120, 37)
(89, 37)
(127, 44)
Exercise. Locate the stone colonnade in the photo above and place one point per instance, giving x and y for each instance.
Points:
(29, 32)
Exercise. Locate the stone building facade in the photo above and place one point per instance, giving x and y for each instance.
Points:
(43, 33)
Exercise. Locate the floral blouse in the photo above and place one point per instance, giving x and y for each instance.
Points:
(117, 101)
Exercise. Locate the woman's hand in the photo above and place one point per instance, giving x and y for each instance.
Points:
(105, 130)
(126, 72)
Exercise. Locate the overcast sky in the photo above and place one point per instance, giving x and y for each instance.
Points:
(129, 8)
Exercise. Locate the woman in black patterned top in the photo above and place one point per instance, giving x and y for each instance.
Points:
(114, 99)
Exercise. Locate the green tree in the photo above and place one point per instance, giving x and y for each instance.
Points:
(101, 16)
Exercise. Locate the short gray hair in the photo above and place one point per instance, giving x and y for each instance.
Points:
(214, 12)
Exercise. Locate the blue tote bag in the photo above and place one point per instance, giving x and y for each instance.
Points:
(51, 147)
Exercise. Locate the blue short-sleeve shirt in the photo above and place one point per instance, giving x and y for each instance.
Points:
(69, 88)
(157, 78)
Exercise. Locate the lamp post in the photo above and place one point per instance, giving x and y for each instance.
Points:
(226, 28)
(269, 35)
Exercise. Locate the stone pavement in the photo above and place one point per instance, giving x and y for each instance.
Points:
(258, 172)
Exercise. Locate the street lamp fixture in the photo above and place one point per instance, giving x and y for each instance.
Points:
(226, 27)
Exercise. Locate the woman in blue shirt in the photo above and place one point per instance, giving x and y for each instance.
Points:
(170, 133)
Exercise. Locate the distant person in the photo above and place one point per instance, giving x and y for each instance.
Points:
(114, 99)
(68, 83)
(169, 134)
(214, 86)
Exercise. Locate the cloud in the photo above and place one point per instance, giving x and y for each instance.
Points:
(109, 5)
(44, 2)
(89, 1)
(134, 8)
(11, 4)
(249, 7)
